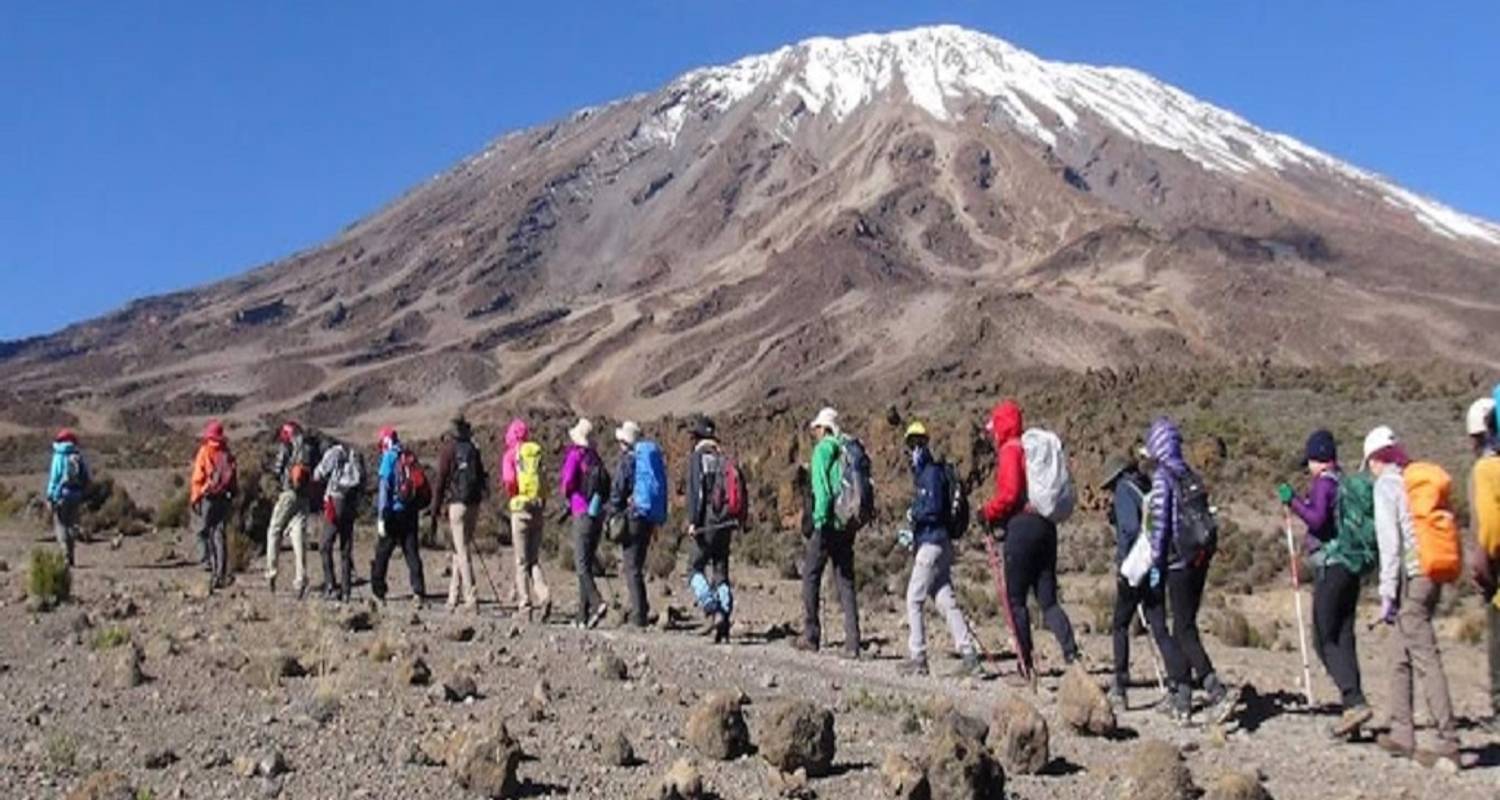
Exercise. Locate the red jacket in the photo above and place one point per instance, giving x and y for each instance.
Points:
(1010, 472)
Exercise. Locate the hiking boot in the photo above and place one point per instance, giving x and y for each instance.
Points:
(913, 668)
(721, 630)
(271, 584)
(1178, 706)
(1222, 700)
(1117, 699)
(804, 645)
(1393, 747)
(330, 593)
(1351, 721)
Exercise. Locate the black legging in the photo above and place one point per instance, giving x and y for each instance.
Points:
(1031, 564)
(1335, 604)
(1152, 603)
(341, 532)
(1185, 596)
(400, 531)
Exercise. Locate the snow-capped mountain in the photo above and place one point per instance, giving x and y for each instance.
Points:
(837, 212)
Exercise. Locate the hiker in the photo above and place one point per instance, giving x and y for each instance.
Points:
(521, 470)
(828, 541)
(295, 463)
(1127, 486)
(67, 480)
(341, 472)
(1176, 498)
(716, 509)
(931, 536)
(639, 498)
(585, 482)
(1484, 517)
(210, 496)
(1408, 600)
(459, 490)
(1339, 558)
(396, 519)
(1028, 540)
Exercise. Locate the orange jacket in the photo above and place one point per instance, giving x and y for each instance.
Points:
(203, 468)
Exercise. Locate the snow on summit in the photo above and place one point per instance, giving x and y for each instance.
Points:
(936, 65)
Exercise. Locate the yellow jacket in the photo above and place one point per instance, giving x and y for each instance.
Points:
(1484, 507)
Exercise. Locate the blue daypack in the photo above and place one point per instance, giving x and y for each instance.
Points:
(650, 495)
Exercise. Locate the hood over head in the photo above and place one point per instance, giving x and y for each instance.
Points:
(1005, 422)
(516, 433)
(1164, 444)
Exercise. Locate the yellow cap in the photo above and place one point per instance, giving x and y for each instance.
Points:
(916, 429)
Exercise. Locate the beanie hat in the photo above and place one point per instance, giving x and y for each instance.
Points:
(1321, 447)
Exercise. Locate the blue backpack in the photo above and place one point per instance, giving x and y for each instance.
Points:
(650, 495)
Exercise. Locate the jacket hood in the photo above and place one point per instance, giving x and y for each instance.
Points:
(1005, 422)
(64, 448)
(1164, 442)
(516, 432)
(920, 458)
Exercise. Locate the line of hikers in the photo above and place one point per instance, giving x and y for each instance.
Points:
(1393, 515)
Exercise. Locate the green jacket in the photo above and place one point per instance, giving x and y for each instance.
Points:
(827, 474)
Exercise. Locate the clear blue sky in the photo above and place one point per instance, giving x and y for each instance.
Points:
(154, 146)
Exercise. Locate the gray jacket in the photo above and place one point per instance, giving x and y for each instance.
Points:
(342, 471)
(1394, 533)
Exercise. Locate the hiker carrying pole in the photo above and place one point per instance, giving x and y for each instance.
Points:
(1291, 551)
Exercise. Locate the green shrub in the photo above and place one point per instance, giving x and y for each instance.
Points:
(47, 577)
(62, 752)
(110, 638)
(173, 511)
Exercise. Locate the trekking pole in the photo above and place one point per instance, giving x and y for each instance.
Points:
(997, 570)
(1161, 680)
(1291, 549)
(483, 567)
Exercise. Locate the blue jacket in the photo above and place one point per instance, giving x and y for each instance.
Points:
(929, 505)
(387, 502)
(56, 491)
(1130, 496)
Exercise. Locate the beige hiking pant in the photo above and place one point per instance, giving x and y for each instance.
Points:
(526, 541)
(461, 521)
(1417, 661)
(288, 518)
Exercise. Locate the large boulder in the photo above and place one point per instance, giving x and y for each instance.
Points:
(1083, 705)
(1236, 785)
(716, 726)
(799, 735)
(485, 762)
(1019, 738)
(1155, 770)
(960, 767)
(903, 778)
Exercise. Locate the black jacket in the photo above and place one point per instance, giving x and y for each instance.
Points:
(624, 483)
(929, 504)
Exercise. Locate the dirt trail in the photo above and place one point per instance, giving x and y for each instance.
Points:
(64, 715)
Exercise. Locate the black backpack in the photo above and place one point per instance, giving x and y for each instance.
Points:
(1197, 534)
(595, 478)
(959, 515)
(468, 474)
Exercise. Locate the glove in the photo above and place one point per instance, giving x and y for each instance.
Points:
(1388, 607)
(1153, 578)
(380, 527)
(905, 538)
(1284, 491)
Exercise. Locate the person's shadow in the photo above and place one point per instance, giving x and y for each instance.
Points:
(1261, 708)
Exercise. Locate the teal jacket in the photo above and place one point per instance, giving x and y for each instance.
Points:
(827, 474)
(56, 489)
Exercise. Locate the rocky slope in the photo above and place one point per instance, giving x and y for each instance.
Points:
(834, 212)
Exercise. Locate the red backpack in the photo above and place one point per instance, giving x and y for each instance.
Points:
(412, 487)
(223, 480)
(727, 503)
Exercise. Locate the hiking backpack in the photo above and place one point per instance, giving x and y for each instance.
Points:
(854, 505)
(412, 487)
(223, 478)
(349, 476)
(1049, 486)
(957, 509)
(467, 485)
(75, 473)
(303, 461)
(724, 488)
(649, 496)
(595, 482)
(1439, 549)
(1354, 544)
(528, 472)
(1197, 531)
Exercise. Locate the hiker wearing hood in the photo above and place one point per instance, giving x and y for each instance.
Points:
(1484, 518)
(397, 523)
(1029, 539)
(1123, 479)
(585, 483)
(211, 494)
(521, 473)
(67, 480)
(932, 568)
(1185, 580)
(341, 472)
(827, 542)
(711, 528)
(1336, 575)
(1408, 602)
(456, 496)
(294, 469)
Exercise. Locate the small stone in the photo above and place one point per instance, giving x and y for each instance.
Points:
(244, 766)
(462, 633)
(903, 778)
(324, 706)
(1018, 737)
(960, 767)
(103, 786)
(798, 735)
(616, 751)
(459, 688)
(791, 785)
(610, 667)
(485, 762)
(357, 621)
(127, 670)
(1236, 785)
(716, 726)
(159, 759)
(272, 764)
(265, 670)
(413, 671)
(1082, 705)
(682, 782)
(1155, 771)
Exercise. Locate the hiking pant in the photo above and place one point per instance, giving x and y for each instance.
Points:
(708, 571)
(401, 530)
(526, 542)
(1492, 614)
(586, 532)
(1417, 660)
(65, 514)
(289, 518)
(211, 523)
(633, 550)
(1153, 605)
(828, 544)
(339, 529)
(1335, 605)
(932, 576)
(1185, 596)
(462, 520)
(1031, 566)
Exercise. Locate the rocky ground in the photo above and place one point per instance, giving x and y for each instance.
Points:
(147, 683)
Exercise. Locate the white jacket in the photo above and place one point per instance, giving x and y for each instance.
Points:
(1393, 532)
